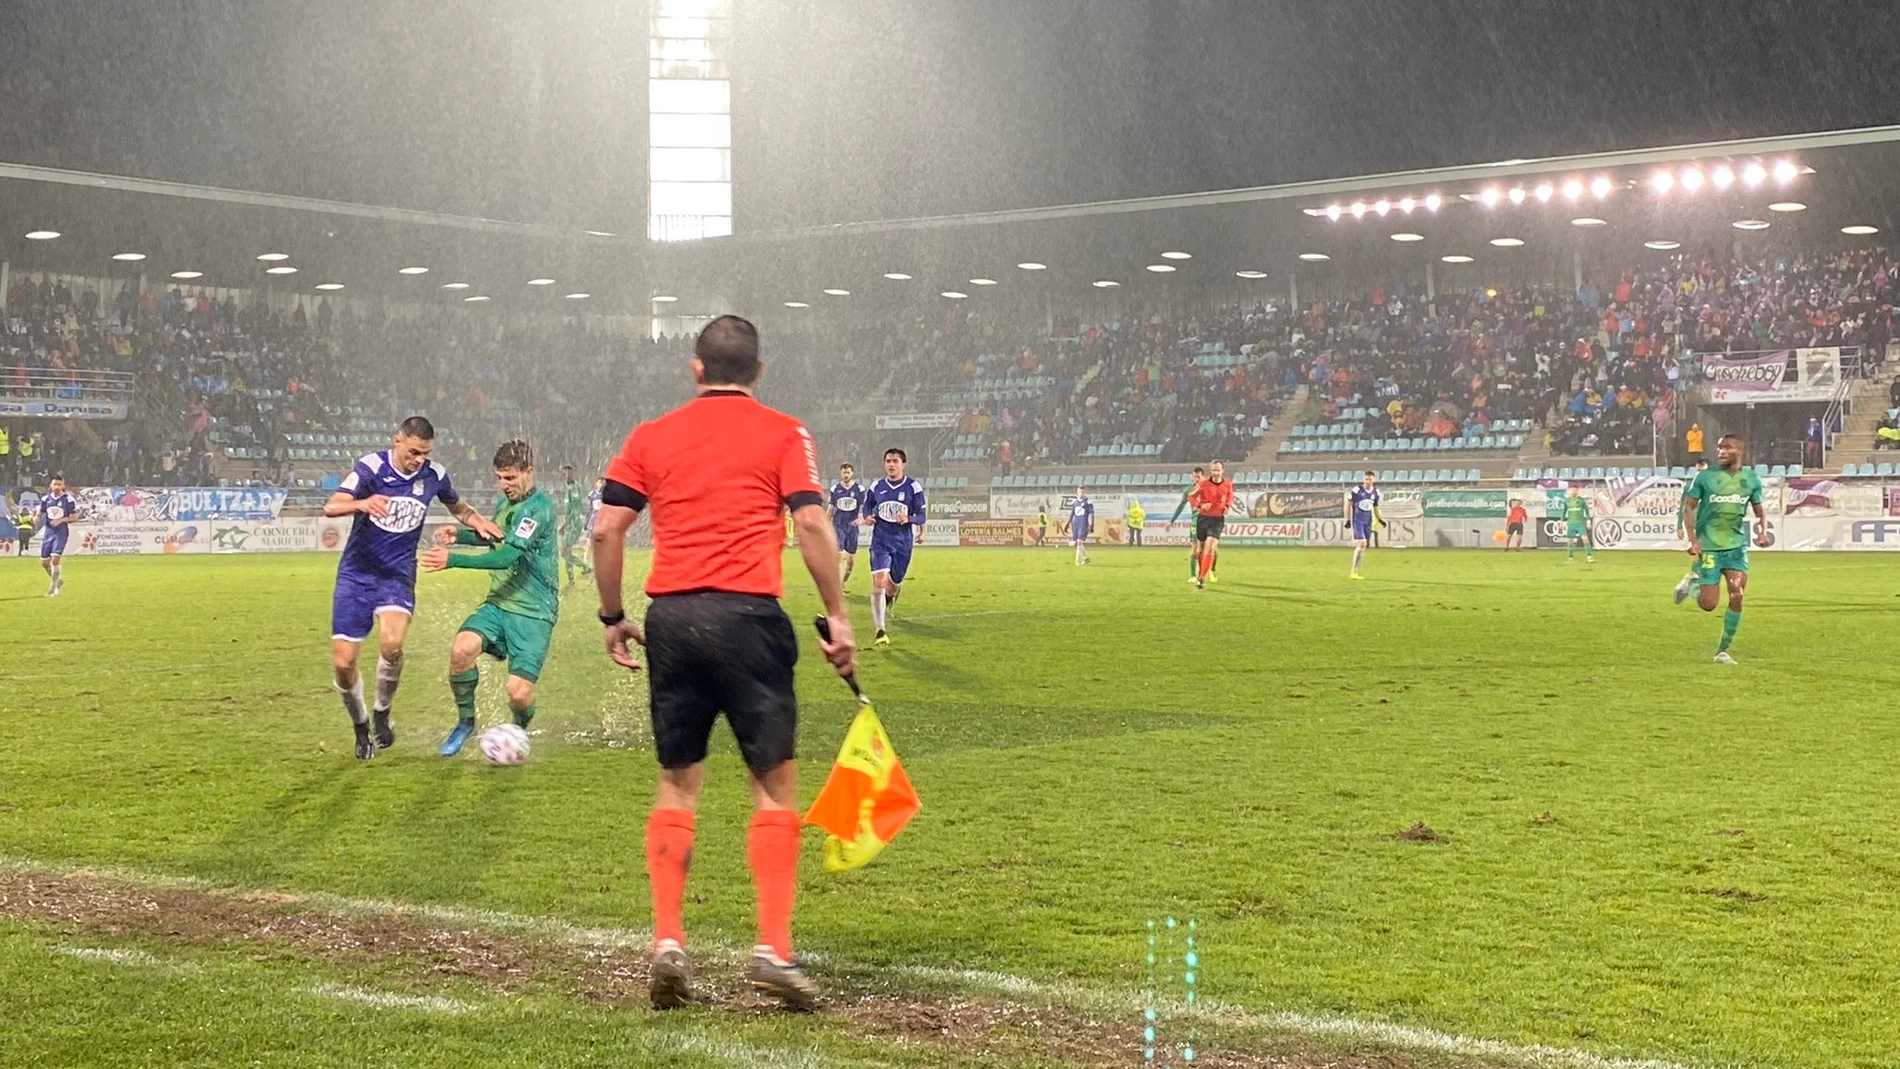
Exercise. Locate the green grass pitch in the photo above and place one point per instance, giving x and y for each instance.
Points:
(1637, 853)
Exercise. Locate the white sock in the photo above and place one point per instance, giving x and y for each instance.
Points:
(353, 700)
(1078, 553)
(56, 570)
(1358, 554)
(388, 678)
(877, 609)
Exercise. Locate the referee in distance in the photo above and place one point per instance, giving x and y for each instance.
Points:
(718, 474)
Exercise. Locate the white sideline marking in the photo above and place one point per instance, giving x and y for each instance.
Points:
(1405, 1037)
(384, 1000)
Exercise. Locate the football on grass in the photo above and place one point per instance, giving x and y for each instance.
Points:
(504, 744)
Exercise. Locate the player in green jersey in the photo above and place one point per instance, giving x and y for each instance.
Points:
(1577, 528)
(1716, 509)
(1682, 532)
(1194, 547)
(516, 621)
(574, 508)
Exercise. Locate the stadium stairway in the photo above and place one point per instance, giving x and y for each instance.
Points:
(1866, 405)
(1265, 453)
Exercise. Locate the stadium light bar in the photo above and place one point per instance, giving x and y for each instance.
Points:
(329, 285)
(955, 295)
(1332, 212)
(280, 270)
(664, 298)
(1692, 179)
(1753, 175)
(1406, 236)
(1490, 198)
(540, 282)
(1600, 187)
(1161, 269)
(1433, 201)
(801, 304)
(1314, 212)
(1587, 221)
(454, 285)
(1573, 190)
(1381, 207)
(1662, 244)
(1722, 177)
(1314, 257)
(1104, 283)
(897, 276)
(599, 233)
(1406, 204)
(1031, 265)
(188, 274)
(1544, 192)
(128, 257)
(1750, 224)
(1787, 206)
(412, 270)
(1662, 181)
(1786, 172)
(1249, 274)
(273, 257)
(983, 281)
(1359, 209)
(477, 299)
(1177, 256)
(1517, 194)
(1456, 258)
(838, 293)
(41, 235)
(1507, 243)
(578, 296)
(1860, 230)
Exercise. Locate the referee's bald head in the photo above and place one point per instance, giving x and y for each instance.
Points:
(728, 352)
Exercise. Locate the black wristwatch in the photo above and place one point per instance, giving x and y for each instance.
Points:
(613, 619)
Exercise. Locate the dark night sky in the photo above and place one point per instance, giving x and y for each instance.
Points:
(853, 109)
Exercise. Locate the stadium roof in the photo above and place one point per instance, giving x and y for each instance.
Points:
(1842, 178)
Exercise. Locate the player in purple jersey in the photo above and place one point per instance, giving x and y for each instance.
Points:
(389, 494)
(1362, 512)
(846, 502)
(56, 514)
(897, 525)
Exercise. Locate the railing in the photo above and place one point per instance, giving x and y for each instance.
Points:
(68, 385)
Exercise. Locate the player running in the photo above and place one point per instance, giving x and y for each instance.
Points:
(1514, 526)
(516, 622)
(717, 473)
(1716, 509)
(1682, 532)
(1194, 543)
(1211, 498)
(1577, 528)
(389, 493)
(847, 505)
(897, 524)
(57, 509)
(1081, 522)
(1362, 511)
(575, 512)
(1042, 524)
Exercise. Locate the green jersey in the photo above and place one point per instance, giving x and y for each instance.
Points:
(1576, 510)
(1722, 501)
(573, 511)
(527, 563)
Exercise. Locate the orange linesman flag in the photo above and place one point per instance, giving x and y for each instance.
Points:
(867, 800)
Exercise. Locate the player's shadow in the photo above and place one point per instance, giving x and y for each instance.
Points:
(24, 597)
(938, 673)
(1264, 592)
(269, 844)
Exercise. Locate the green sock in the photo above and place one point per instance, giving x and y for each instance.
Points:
(1731, 620)
(1572, 552)
(462, 685)
(1194, 566)
(522, 716)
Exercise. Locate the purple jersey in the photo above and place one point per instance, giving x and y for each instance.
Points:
(57, 507)
(897, 507)
(386, 546)
(1363, 500)
(848, 504)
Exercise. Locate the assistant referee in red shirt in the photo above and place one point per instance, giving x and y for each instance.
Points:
(718, 475)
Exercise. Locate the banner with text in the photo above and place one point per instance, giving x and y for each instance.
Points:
(1779, 375)
(917, 421)
(221, 503)
(1265, 532)
(23, 408)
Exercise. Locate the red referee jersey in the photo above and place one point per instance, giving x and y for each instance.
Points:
(717, 473)
(1211, 498)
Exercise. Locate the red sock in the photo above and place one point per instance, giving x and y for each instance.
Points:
(669, 856)
(1207, 565)
(772, 850)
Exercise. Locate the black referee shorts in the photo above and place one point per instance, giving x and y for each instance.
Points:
(1206, 527)
(712, 652)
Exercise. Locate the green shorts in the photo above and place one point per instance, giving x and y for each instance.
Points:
(522, 641)
(1710, 566)
(1576, 530)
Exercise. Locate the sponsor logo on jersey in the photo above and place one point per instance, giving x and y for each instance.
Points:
(1728, 499)
(405, 514)
(525, 529)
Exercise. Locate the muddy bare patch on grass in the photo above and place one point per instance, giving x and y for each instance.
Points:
(1421, 832)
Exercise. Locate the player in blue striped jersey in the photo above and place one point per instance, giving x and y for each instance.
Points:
(1362, 512)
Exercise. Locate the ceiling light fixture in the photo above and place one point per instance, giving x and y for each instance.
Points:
(1031, 265)
(1407, 237)
(1161, 269)
(329, 285)
(1692, 179)
(955, 295)
(982, 282)
(1517, 194)
(897, 276)
(540, 282)
(128, 257)
(838, 293)
(1600, 187)
(1455, 258)
(41, 235)
(1250, 274)
(1662, 244)
(1507, 243)
(664, 299)
(412, 270)
(1573, 189)
(1722, 177)
(1662, 181)
(1332, 212)
(1381, 206)
(1433, 201)
(1104, 283)
(1753, 175)
(578, 296)
(273, 257)
(1750, 224)
(1785, 171)
(1787, 206)
(280, 270)
(1860, 229)
(454, 285)
(1406, 204)
(478, 298)
(1587, 221)
(1177, 256)
(1490, 198)
(1545, 192)
(1314, 257)
(1359, 209)
(188, 274)
(796, 304)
